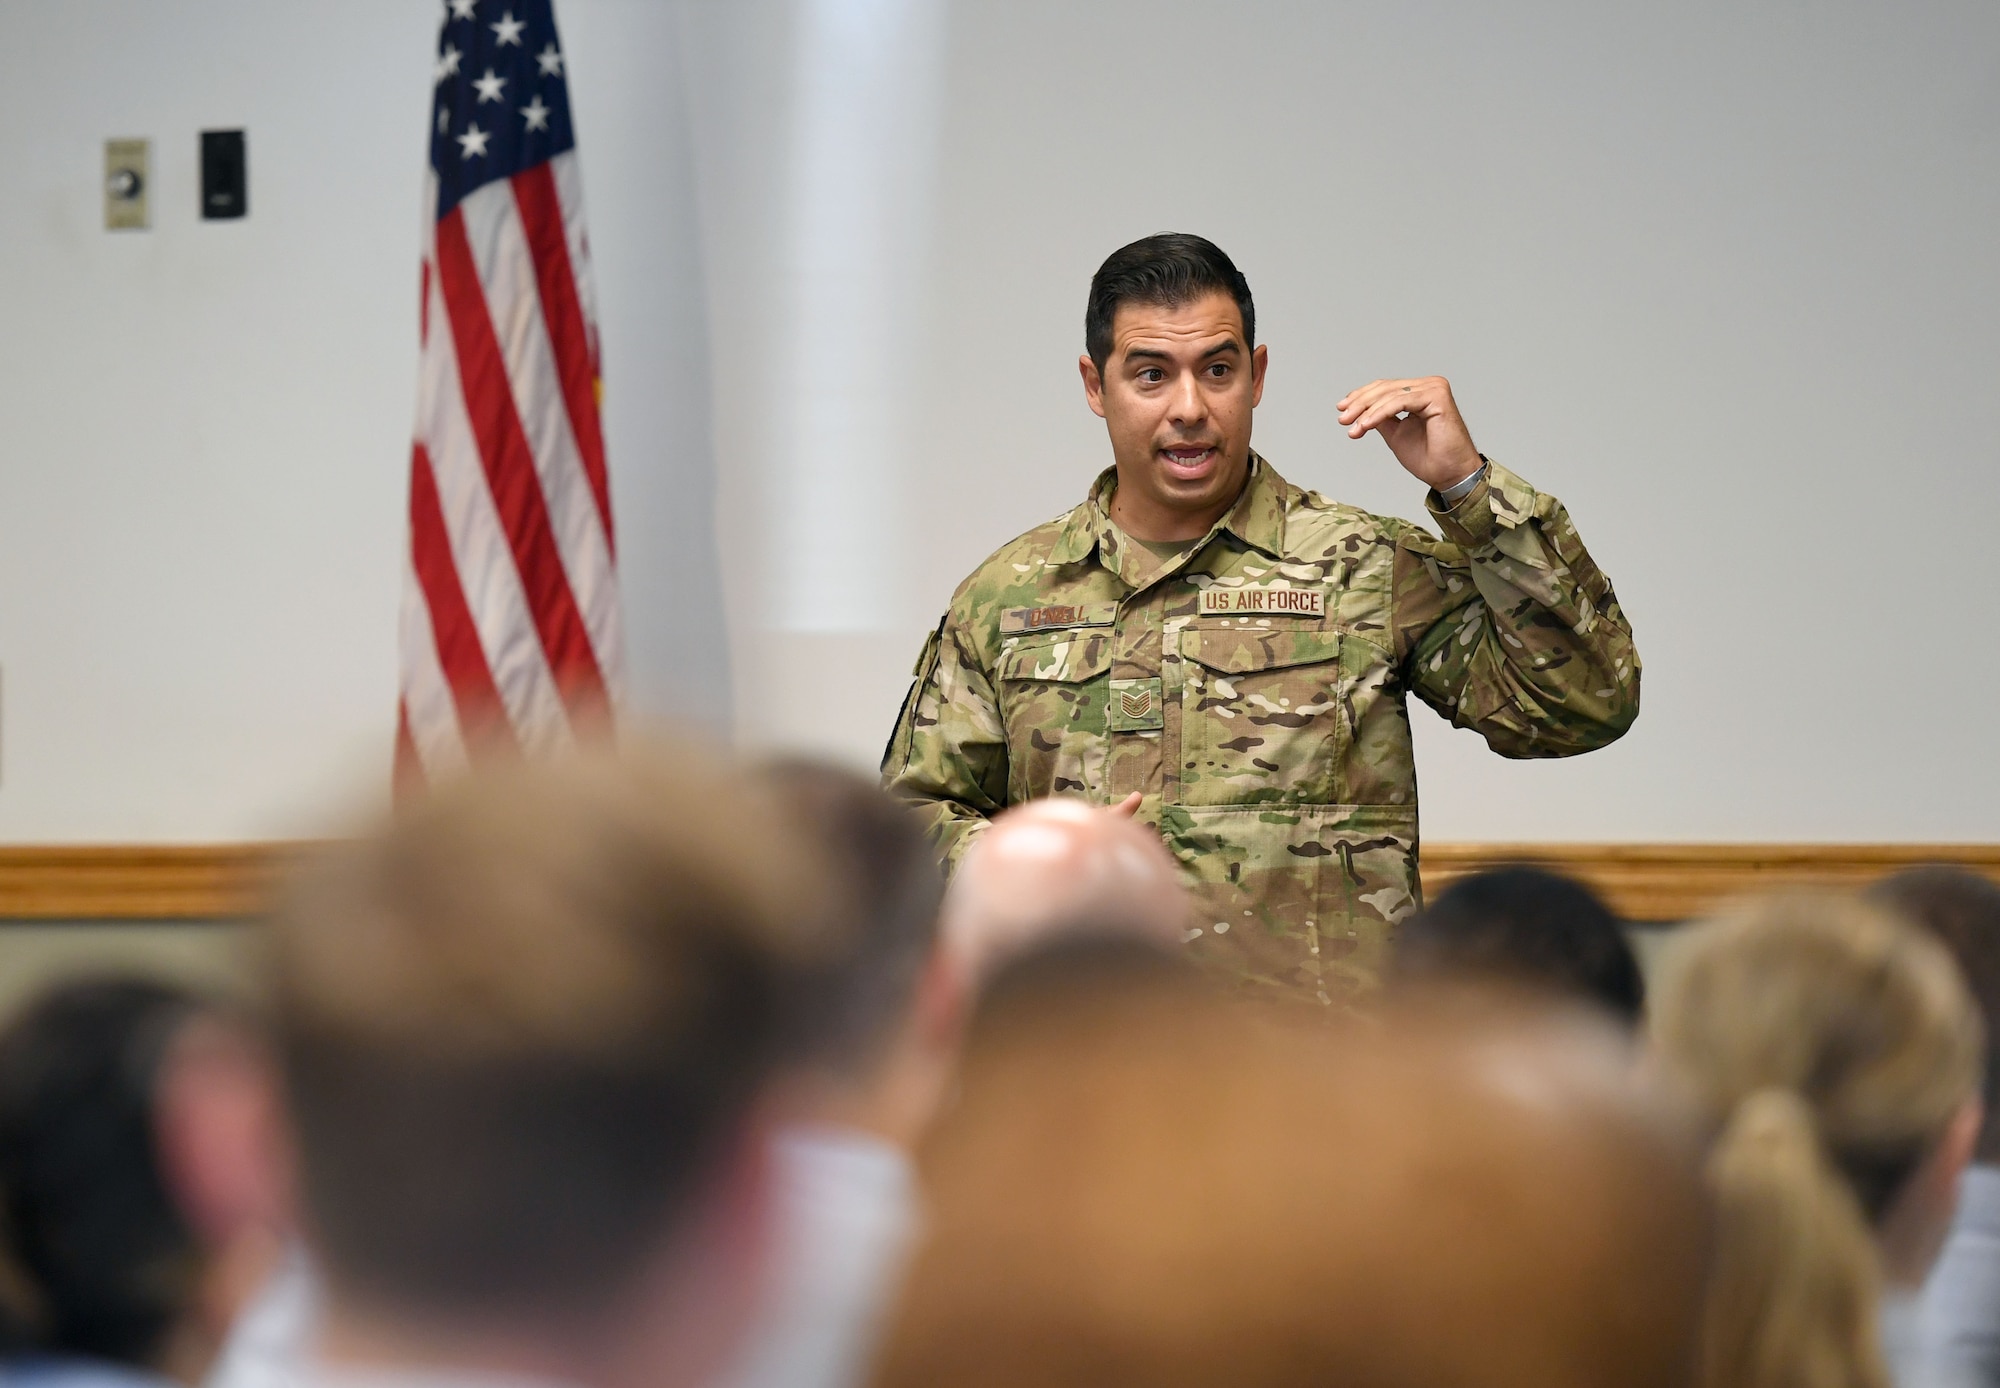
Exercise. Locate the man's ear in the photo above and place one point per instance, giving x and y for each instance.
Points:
(1093, 384)
(944, 997)
(1259, 359)
(218, 1121)
(1914, 1227)
(1961, 1139)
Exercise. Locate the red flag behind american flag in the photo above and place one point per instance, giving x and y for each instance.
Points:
(511, 634)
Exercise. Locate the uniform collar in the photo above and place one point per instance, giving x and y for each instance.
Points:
(1257, 519)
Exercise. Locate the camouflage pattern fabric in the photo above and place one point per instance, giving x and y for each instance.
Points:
(1253, 691)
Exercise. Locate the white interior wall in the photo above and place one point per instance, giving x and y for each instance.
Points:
(1719, 278)
(204, 427)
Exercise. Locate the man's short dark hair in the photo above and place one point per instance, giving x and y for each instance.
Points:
(1523, 925)
(1168, 270)
(1962, 909)
(881, 910)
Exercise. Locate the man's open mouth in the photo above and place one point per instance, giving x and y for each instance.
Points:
(1188, 461)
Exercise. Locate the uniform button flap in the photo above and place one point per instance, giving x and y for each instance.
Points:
(1236, 650)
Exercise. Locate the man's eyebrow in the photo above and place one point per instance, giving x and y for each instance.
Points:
(1157, 354)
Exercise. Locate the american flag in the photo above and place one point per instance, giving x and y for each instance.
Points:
(511, 634)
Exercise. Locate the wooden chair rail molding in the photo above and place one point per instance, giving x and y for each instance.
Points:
(161, 882)
(1661, 882)
(1643, 882)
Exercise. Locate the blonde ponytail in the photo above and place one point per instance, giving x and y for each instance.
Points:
(1831, 1046)
(1792, 1297)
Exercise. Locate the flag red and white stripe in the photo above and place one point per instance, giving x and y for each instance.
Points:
(511, 631)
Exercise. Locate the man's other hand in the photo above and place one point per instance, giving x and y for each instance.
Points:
(1420, 422)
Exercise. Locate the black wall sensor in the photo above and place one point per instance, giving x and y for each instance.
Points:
(225, 175)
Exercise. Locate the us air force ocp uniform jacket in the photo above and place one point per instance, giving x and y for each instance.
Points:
(1253, 691)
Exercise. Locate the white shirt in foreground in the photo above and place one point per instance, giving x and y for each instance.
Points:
(846, 1217)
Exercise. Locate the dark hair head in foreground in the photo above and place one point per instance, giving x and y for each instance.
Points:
(1169, 269)
(520, 1027)
(99, 1262)
(1962, 909)
(1144, 1184)
(879, 905)
(1527, 927)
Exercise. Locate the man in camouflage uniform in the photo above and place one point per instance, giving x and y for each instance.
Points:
(1229, 655)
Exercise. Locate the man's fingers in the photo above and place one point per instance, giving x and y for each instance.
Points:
(1380, 414)
(1355, 394)
(1355, 401)
(1129, 806)
(1405, 395)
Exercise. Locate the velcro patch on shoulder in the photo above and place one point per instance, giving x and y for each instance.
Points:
(1262, 600)
(1422, 542)
(1016, 620)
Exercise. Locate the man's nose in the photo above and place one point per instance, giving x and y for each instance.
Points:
(1189, 405)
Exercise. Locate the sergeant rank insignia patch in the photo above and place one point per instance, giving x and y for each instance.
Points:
(1135, 706)
(1262, 600)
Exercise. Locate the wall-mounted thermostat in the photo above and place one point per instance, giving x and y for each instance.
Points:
(125, 179)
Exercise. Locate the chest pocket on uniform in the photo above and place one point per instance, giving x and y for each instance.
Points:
(1054, 690)
(1261, 716)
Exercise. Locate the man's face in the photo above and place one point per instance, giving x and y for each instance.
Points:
(1176, 394)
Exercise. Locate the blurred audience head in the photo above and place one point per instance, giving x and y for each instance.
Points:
(1529, 928)
(524, 1031)
(1144, 1183)
(874, 1035)
(1963, 910)
(1836, 1054)
(107, 1257)
(1058, 867)
(879, 900)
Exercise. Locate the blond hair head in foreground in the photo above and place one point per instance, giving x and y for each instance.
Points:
(1836, 1053)
(1145, 1184)
(523, 1029)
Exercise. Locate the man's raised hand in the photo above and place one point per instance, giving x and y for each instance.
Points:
(1419, 421)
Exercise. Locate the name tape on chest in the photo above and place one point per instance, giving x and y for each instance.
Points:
(1263, 600)
(1016, 620)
